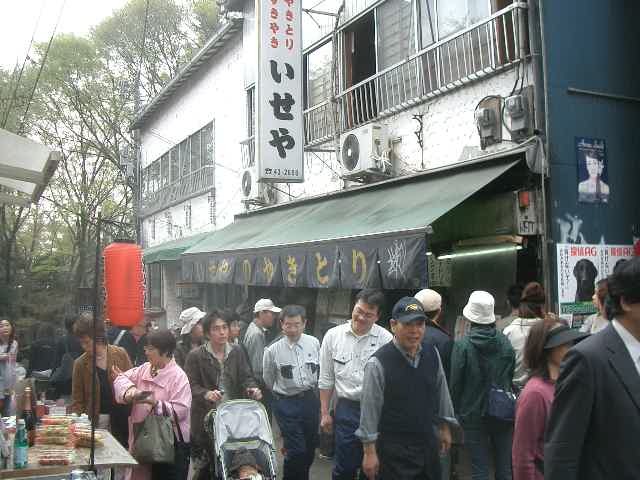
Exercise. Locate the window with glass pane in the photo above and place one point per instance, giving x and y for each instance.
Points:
(396, 42)
(207, 144)
(195, 151)
(396, 32)
(164, 170)
(319, 74)
(185, 157)
(470, 52)
(428, 30)
(155, 175)
(175, 164)
(154, 279)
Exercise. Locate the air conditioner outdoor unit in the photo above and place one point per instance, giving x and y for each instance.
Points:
(256, 193)
(365, 151)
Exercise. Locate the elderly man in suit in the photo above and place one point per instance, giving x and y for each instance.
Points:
(594, 426)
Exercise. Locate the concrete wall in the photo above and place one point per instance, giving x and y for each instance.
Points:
(215, 93)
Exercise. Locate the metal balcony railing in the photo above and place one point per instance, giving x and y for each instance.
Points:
(248, 152)
(195, 183)
(494, 44)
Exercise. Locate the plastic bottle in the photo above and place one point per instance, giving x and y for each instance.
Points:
(20, 447)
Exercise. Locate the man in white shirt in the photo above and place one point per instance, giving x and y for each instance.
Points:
(592, 433)
(290, 369)
(345, 351)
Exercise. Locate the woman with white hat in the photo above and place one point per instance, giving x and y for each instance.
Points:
(191, 333)
(481, 361)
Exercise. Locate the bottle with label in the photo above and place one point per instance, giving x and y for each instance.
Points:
(20, 447)
(29, 417)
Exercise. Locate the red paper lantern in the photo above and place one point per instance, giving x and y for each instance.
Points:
(124, 283)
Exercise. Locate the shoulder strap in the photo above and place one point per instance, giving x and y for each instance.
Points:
(116, 342)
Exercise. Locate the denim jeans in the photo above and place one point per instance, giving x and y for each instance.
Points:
(347, 455)
(490, 438)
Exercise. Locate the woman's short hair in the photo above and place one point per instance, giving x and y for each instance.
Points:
(532, 301)
(83, 326)
(162, 340)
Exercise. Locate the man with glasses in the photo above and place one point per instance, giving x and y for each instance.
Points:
(345, 351)
(290, 369)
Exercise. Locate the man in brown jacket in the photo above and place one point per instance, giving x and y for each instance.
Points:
(217, 371)
(107, 356)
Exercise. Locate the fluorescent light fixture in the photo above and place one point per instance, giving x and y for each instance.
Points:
(484, 251)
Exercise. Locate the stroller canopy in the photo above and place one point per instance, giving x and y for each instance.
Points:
(238, 420)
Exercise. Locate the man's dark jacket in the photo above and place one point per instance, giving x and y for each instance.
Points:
(203, 371)
(438, 337)
(593, 432)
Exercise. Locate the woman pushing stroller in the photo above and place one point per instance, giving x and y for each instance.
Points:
(217, 371)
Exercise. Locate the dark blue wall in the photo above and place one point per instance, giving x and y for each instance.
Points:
(594, 45)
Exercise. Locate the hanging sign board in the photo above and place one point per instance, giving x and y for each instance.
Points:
(280, 125)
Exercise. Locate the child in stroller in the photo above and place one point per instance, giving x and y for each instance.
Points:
(242, 438)
(244, 466)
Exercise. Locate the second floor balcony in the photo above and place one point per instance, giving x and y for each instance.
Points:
(195, 183)
(494, 44)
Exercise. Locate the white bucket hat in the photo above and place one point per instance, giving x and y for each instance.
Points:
(266, 304)
(479, 308)
(188, 319)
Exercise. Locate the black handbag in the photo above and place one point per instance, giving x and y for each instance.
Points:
(501, 402)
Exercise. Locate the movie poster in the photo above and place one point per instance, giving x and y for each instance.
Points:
(593, 175)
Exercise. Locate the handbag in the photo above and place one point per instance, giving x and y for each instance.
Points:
(153, 439)
(501, 402)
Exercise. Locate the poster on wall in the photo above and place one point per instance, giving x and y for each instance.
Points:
(580, 267)
(280, 127)
(593, 174)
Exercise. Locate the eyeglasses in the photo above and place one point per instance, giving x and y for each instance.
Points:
(366, 315)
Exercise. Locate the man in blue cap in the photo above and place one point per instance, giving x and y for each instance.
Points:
(405, 408)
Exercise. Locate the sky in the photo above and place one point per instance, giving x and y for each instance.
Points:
(19, 20)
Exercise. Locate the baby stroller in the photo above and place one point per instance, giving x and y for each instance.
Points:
(243, 425)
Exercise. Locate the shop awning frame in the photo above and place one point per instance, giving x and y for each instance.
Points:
(26, 168)
(331, 229)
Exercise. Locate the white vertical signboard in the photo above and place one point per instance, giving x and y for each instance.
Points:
(280, 125)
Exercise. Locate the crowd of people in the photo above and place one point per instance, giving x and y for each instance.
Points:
(529, 399)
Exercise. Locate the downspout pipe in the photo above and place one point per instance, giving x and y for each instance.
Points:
(541, 122)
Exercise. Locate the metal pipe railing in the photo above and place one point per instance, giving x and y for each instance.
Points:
(491, 45)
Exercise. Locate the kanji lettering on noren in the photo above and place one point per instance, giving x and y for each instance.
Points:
(282, 141)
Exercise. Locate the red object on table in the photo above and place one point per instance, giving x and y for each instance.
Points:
(124, 283)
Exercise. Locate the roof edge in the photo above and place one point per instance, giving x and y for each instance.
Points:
(229, 26)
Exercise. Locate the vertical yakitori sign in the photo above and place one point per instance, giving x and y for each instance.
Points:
(279, 102)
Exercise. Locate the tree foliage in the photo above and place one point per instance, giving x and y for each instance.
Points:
(83, 106)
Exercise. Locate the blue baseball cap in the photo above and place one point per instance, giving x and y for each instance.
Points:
(407, 310)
